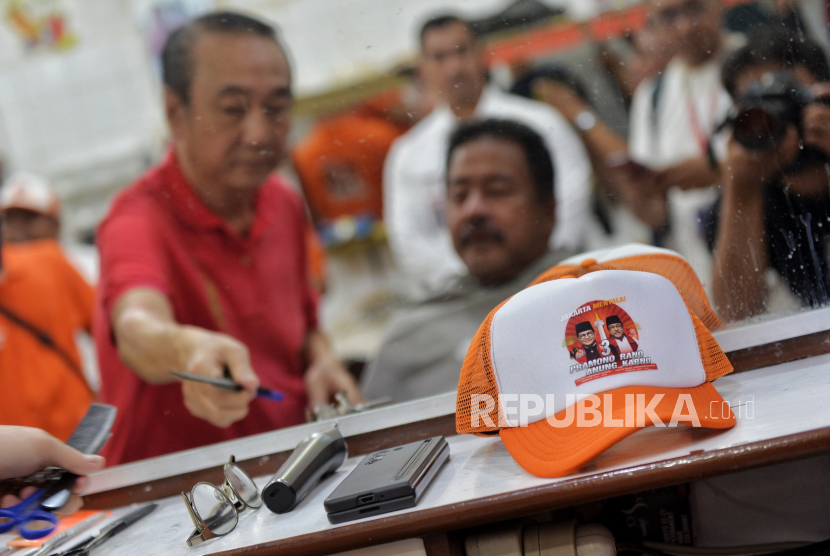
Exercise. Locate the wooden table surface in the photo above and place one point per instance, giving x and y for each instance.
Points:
(782, 415)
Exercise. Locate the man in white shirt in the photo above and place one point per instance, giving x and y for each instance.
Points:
(452, 64)
(673, 117)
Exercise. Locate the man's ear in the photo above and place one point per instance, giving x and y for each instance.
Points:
(174, 109)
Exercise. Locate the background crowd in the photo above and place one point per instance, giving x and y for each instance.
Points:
(392, 227)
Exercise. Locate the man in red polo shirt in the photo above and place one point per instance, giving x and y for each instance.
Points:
(203, 261)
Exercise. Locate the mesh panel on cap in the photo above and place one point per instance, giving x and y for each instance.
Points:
(477, 378)
(672, 267)
(714, 360)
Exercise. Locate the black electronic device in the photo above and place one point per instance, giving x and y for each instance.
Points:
(318, 455)
(766, 109)
(388, 480)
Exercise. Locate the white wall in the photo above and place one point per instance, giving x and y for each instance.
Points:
(336, 42)
(90, 118)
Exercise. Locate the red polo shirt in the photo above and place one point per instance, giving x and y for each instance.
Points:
(158, 233)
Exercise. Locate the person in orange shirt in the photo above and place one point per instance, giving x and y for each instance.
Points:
(30, 207)
(340, 166)
(43, 302)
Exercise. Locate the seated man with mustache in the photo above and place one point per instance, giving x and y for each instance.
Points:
(500, 214)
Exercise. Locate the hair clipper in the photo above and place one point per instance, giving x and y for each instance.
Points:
(318, 455)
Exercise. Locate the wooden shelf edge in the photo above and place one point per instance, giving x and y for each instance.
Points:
(782, 351)
(548, 497)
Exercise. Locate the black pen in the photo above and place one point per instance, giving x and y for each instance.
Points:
(109, 531)
(229, 384)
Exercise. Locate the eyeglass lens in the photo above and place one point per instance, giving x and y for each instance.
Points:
(243, 486)
(214, 508)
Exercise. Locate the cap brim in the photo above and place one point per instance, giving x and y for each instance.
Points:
(548, 451)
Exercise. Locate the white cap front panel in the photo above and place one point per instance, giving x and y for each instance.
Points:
(606, 330)
(28, 191)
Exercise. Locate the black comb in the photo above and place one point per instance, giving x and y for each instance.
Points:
(94, 429)
(88, 438)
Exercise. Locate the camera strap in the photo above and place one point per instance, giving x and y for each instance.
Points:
(44, 339)
(655, 100)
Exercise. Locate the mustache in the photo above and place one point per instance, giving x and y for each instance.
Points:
(459, 79)
(256, 152)
(475, 232)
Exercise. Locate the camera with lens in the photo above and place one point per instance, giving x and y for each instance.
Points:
(767, 108)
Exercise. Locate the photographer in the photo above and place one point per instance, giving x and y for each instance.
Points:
(775, 209)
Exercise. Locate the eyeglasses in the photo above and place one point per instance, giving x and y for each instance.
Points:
(215, 510)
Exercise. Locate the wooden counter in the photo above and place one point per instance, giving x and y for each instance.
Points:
(782, 415)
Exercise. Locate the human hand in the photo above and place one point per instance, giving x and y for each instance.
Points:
(28, 450)
(561, 97)
(815, 120)
(628, 175)
(746, 171)
(639, 195)
(208, 353)
(693, 173)
(326, 376)
(633, 186)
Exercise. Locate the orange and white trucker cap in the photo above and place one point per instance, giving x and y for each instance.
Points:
(571, 365)
(27, 191)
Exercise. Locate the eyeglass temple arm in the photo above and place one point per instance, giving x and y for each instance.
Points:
(196, 538)
(201, 533)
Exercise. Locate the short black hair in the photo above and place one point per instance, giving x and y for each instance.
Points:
(539, 160)
(443, 20)
(177, 56)
(772, 45)
(524, 85)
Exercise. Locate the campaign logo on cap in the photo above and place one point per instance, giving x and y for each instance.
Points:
(601, 336)
(569, 366)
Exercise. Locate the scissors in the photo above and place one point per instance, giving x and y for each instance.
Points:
(31, 521)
